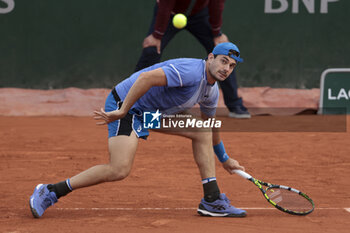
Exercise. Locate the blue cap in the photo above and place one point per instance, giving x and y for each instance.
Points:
(228, 49)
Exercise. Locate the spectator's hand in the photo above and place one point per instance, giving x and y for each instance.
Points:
(108, 117)
(220, 39)
(231, 165)
(151, 41)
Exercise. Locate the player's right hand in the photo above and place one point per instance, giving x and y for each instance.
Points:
(231, 165)
(107, 117)
(151, 41)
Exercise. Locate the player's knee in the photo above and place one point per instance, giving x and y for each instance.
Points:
(118, 173)
(204, 136)
(198, 134)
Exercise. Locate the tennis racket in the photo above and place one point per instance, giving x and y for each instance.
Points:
(286, 199)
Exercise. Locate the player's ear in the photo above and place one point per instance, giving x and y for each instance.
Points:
(211, 56)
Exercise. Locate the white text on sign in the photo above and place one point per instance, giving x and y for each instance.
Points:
(283, 6)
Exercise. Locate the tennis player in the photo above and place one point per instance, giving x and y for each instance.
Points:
(169, 87)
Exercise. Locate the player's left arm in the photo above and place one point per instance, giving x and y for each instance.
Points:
(228, 163)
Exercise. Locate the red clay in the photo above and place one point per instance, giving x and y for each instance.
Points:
(49, 149)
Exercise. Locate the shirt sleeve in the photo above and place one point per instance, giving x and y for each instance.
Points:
(209, 104)
(216, 7)
(179, 75)
(163, 15)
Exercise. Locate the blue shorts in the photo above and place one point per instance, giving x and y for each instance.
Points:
(133, 121)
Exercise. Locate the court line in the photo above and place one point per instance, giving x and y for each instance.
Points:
(174, 208)
(183, 208)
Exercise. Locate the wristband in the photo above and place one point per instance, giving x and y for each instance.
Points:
(220, 152)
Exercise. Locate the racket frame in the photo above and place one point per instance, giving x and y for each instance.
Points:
(260, 185)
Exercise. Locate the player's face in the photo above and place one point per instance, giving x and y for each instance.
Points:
(220, 67)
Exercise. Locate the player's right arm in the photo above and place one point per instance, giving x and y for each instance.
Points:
(143, 83)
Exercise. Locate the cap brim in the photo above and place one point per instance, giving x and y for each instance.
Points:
(238, 59)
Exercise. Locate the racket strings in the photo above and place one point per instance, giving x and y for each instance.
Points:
(289, 200)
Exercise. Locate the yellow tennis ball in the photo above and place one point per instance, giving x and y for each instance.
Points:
(179, 21)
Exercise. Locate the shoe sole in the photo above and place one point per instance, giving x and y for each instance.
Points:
(211, 214)
(31, 204)
(35, 214)
(239, 116)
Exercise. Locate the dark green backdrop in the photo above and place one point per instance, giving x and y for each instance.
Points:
(88, 43)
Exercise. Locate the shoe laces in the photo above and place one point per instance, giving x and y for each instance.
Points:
(225, 199)
(47, 202)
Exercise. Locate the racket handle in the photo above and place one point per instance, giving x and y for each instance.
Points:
(243, 174)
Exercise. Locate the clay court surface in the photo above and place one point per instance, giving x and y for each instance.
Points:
(164, 188)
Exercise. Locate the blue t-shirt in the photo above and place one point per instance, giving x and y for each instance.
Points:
(186, 86)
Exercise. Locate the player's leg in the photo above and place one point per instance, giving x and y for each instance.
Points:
(202, 151)
(122, 144)
(204, 157)
(214, 203)
(122, 150)
(149, 55)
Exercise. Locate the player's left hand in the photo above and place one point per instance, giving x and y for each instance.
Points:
(220, 39)
(107, 117)
(231, 165)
